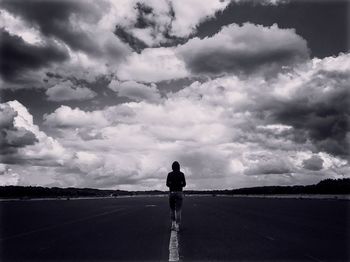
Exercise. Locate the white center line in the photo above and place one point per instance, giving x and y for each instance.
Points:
(269, 238)
(173, 247)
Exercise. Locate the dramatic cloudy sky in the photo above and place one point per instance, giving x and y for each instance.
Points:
(107, 94)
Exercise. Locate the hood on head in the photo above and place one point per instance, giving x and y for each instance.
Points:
(176, 166)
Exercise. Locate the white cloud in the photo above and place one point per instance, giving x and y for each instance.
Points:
(178, 18)
(64, 116)
(7, 176)
(136, 91)
(245, 49)
(9, 179)
(189, 13)
(42, 149)
(222, 132)
(67, 91)
(276, 128)
(87, 161)
(152, 65)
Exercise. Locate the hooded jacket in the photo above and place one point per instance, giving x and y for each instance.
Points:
(176, 179)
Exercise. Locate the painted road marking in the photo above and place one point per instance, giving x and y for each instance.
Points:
(173, 247)
(151, 205)
(269, 238)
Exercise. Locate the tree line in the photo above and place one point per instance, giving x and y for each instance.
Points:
(327, 186)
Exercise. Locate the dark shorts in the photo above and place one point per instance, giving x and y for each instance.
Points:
(175, 200)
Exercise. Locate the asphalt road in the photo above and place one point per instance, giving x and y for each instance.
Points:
(138, 229)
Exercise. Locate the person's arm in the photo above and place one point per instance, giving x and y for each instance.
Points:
(168, 182)
(183, 180)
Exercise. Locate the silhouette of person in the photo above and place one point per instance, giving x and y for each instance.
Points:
(175, 181)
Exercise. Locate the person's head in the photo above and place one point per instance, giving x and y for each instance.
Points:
(176, 166)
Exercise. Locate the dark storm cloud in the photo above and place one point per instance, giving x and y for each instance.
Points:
(314, 163)
(244, 49)
(322, 114)
(175, 85)
(16, 138)
(43, 11)
(325, 124)
(53, 75)
(52, 18)
(18, 56)
(270, 167)
(272, 139)
(217, 62)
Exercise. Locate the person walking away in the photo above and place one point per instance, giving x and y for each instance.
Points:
(175, 181)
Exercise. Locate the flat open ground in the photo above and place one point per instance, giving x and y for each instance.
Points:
(214, 228)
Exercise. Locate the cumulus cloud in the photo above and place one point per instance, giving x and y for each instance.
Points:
(64, 116)
(89, 133)
(13, 136)
(188, 14)
(136, 91)
(87, 161)
(243, 50)
(7, 176)
(144, 24)
(22, 141)
(138, 141)
(67, 91)
(227, 131)
(152, 65)
(314, 163)
(267, 164)
(246, 49)
(315, 101)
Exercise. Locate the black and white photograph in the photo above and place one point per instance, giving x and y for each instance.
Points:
(174, 130)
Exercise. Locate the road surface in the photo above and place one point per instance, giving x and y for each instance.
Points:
(138, 229)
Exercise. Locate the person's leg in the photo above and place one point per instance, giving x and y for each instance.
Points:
(178, 207)
(172, 202)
